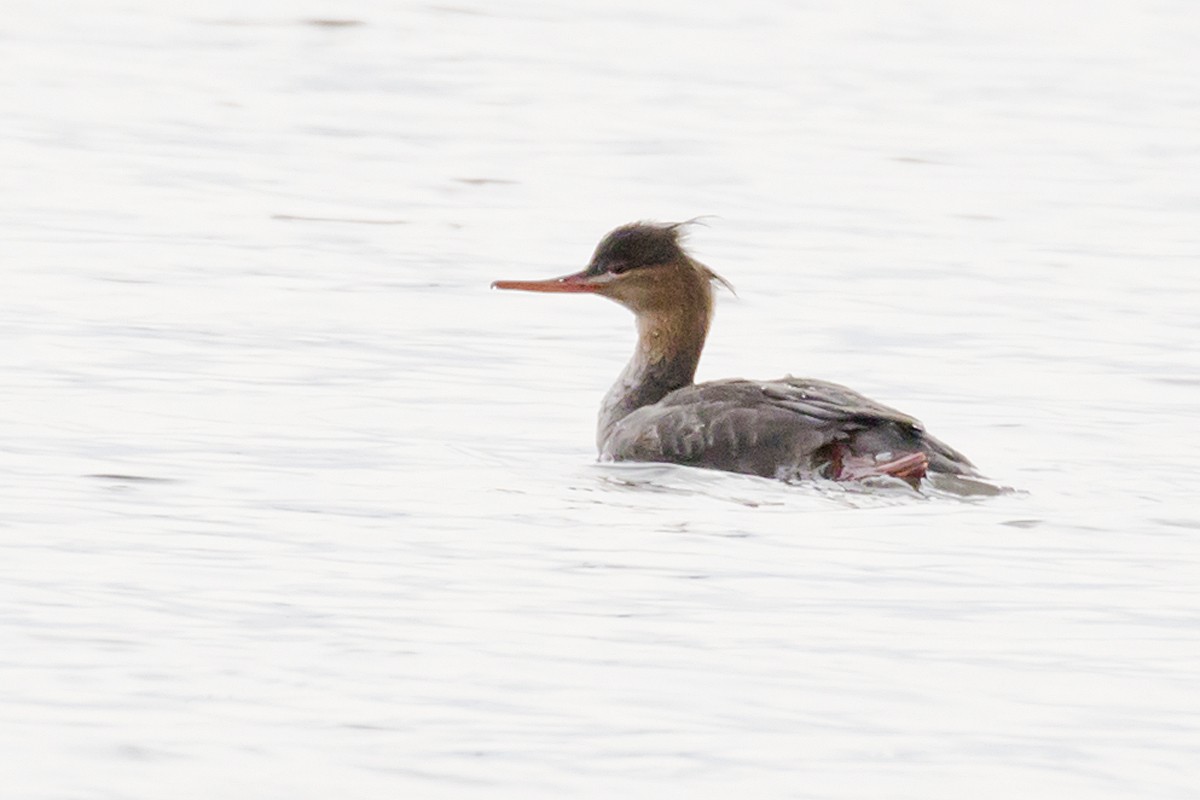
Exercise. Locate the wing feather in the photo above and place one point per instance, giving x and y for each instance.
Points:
(778, 428)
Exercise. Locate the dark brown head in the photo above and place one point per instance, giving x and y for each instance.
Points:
(642, 266)
(637, 246)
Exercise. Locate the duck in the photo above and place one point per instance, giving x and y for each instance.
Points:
(792, 429)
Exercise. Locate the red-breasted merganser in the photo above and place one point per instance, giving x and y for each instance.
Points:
(790, 428)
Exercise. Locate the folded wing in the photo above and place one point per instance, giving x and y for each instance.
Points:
(787, 428)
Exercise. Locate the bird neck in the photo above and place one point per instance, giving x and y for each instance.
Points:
(668, 350)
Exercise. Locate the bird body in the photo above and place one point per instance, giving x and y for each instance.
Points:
(790, 428)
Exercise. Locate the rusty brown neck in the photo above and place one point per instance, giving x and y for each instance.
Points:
(670, 339)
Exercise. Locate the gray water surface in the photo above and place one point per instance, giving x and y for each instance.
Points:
(294, 507)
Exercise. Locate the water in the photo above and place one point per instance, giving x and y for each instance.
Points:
(293, 506)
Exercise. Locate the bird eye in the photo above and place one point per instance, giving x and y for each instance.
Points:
(618, 267)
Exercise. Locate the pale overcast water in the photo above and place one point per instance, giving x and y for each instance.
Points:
(293, 506)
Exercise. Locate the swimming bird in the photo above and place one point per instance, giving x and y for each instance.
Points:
(789, 428)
